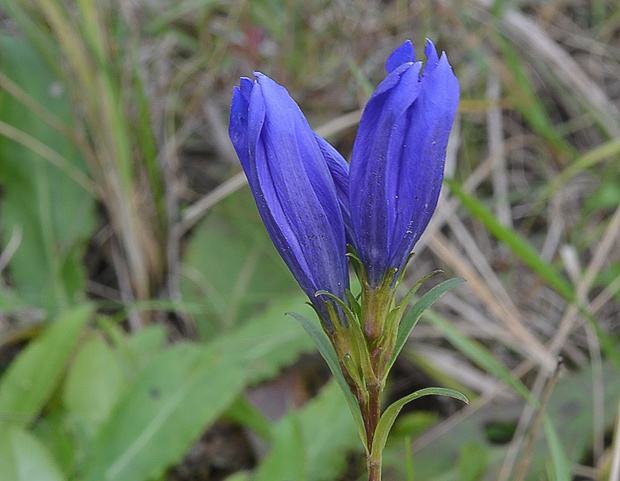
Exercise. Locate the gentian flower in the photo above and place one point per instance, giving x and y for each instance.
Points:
(299, 183)
(398, 158)
(313, 205)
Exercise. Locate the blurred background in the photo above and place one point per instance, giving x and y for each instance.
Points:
(143, 333)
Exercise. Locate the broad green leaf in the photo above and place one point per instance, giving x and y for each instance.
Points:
(134, 352)
(193, 385)
(329, 432)
(389, 415)
(24, 458)
(52, 431)
(34, 374)
(287, 459)
(329, 354)
(311, 444)
(148, 340)
(267, 342)
(413, 316)
(54, 213)
(155, 423)
(94, 384)
(227, 260)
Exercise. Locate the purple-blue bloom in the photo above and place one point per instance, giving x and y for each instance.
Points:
(291, 173)
(398, 158)
(310, 202)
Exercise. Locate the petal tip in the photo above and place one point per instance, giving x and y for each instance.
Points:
(403, 54)
(431, 52)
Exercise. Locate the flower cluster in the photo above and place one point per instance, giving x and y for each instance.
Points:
(314, 203)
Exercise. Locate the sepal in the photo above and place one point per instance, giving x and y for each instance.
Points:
(413, 316)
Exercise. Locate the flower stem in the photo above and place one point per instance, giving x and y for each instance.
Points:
(374, 468)
(373, 414)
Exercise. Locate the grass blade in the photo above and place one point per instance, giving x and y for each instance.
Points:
(517, 244)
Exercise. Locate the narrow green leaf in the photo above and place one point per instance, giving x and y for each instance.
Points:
(329, 354)
(519, 246)
(411, 318)
(407, 298)
(24, 458)
(34, 374)
(389, 416)
(561, 468)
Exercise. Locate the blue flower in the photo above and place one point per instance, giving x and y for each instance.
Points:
(299, 183)
(398, 158)
(310, 202)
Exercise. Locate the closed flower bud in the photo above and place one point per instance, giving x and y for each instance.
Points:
(398, 158)
(289, 170)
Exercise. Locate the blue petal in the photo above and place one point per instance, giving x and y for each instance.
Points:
(426, 140)
(397, 161)
(401, 55)
(375, 165)
(292, 184)
(431, 55)
(246, 85)
(238, 125)
(339, 169)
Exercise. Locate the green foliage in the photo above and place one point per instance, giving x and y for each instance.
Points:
(388, 417)
(47, 206)
(326, 349)
(93, 385)
(132, 420)
(472, 462)
(307, 450)
(227, 260)
(162, 413)
(24, 458)
(31, 379)
(413, 316)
